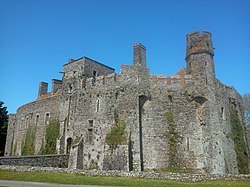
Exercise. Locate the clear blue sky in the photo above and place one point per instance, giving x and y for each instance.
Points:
(38, 36)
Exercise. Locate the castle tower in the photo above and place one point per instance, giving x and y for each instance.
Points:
(139, 55)
(199, 54)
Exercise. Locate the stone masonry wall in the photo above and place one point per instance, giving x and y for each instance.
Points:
(178, 121)
(60, 161)
(35, 114)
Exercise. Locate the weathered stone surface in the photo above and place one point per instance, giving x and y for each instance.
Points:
(60, 161)
(93, 98)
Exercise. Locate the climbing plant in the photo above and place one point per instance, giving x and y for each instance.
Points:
(28, 143)
(117, 134)
(52, 133)
(240, 145)
(173, 137)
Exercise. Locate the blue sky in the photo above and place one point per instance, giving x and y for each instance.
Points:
(37, 37)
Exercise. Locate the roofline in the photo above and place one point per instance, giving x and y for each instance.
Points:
(84, 57)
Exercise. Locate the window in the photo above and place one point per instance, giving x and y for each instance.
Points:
(91, 123)
(37, 119)
(21, 124)
(223, 113)
(94, 77)
(90, 135)
(27, 122)
(97, 105)
(69, 143)
(47, 118)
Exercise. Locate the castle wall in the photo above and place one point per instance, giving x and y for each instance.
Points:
(34, 115)
(10, 135)
(59, 161)
(177, 121)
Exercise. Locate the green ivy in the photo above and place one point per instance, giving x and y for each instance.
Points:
(28, 143)
(52, 133)
(173, 137)
(117, 134)
(240, 145)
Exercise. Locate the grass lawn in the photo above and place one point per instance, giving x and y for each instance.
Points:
(64, 178)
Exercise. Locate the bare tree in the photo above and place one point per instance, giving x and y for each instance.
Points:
(246, 105)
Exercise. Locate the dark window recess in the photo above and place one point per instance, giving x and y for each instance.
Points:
(91, 123)
(170, 97)
(94, 77)
(69, 142)
(37, 119)
(98, 105)
(90, 135)
(47, 118)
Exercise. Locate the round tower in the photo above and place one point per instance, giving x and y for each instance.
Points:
(199, 54)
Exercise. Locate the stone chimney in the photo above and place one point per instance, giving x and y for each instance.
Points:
(43, 88)
(56, 84)
(139, 55)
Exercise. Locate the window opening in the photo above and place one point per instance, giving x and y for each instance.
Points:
(37, 119)
(47, 118)
(91, 123)
(94, 77)
(90, 135)
(223, 113)
(97, 105)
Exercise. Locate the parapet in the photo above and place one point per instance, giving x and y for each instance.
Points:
(101, 80)
(199, 42)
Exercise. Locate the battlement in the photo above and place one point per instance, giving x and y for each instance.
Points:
(199, 42)
(179, 79)
(101, 80)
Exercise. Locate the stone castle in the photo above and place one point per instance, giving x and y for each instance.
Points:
(178, 121)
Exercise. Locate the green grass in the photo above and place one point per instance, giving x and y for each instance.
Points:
(172, 170)
(64, 178)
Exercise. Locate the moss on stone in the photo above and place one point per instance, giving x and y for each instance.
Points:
(240, 145)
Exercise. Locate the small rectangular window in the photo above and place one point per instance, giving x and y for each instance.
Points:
(90, 135)
(94, 77)
(37, 119)
(27, 122)
(21, 126)
(47, 118)
(91, 123)
(223, 113)
(97, 105)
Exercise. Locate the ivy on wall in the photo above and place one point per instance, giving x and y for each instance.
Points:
(28, 143)
(52, 133)
(117, 134)
(173, 137)
(240, 145)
